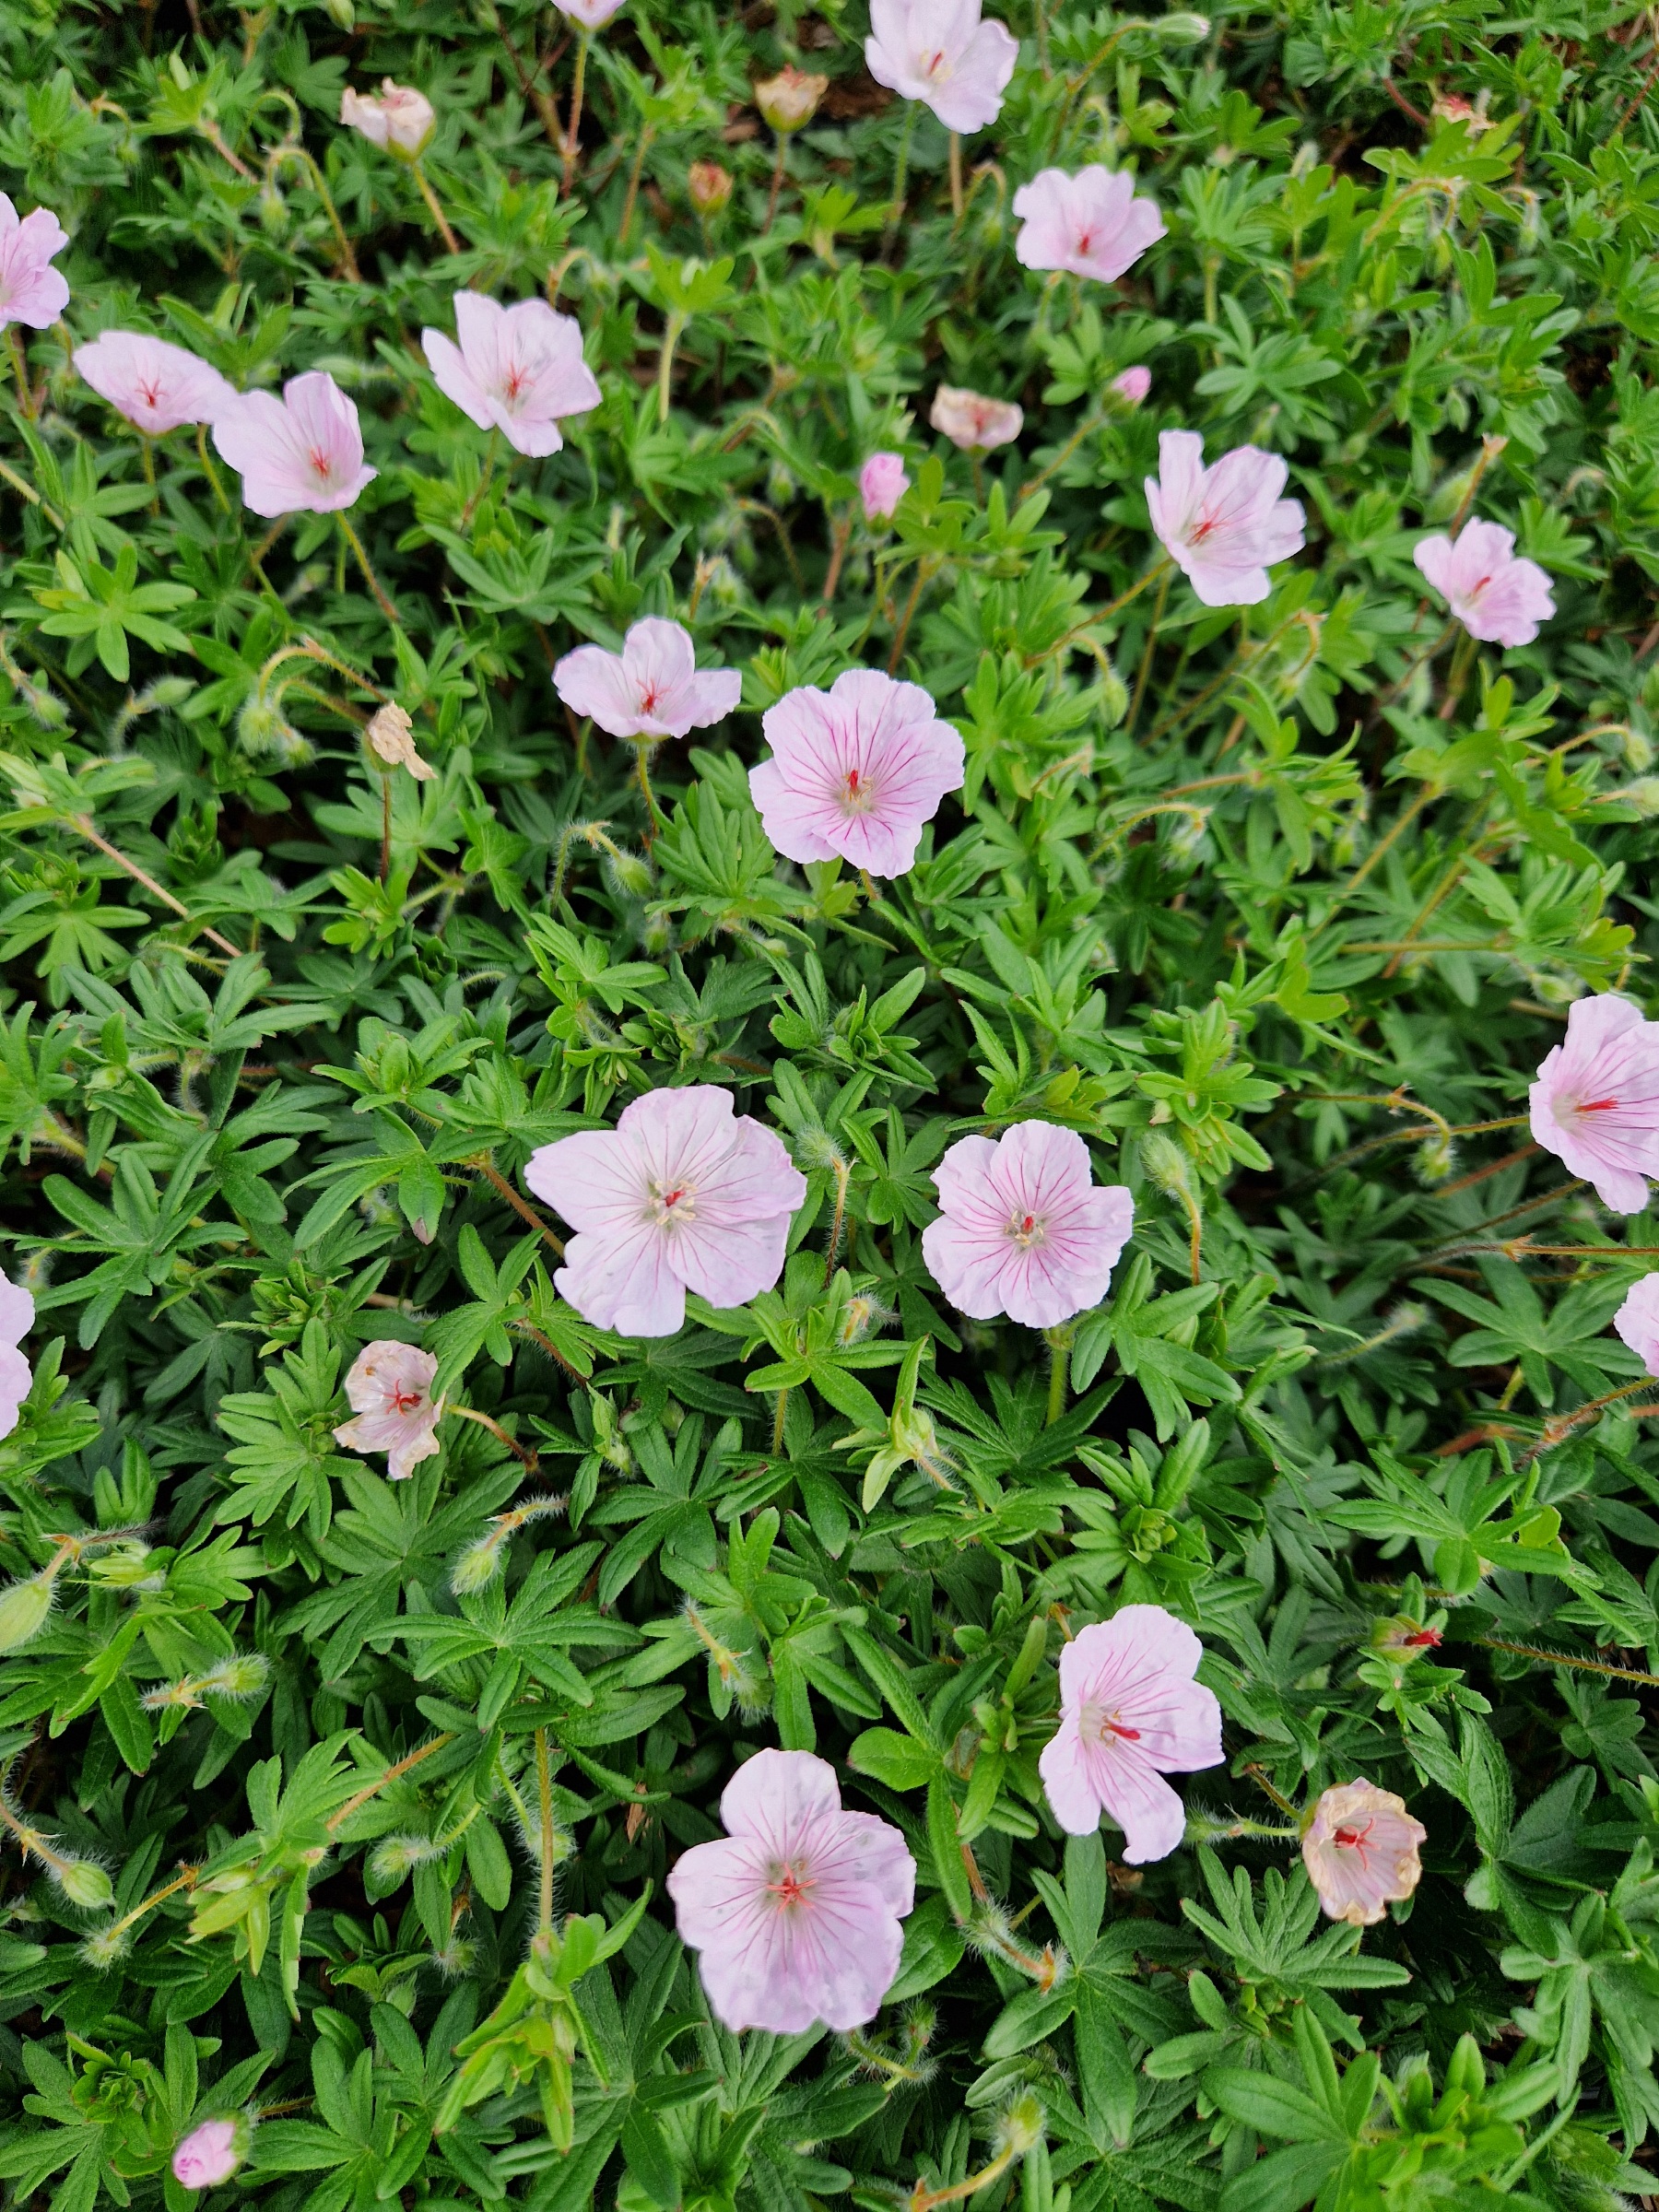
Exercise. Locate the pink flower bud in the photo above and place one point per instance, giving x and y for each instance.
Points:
(1132, 386)
(211, 2153)
(790, 100)
(399, 121)
(709, 186)
(882, 482)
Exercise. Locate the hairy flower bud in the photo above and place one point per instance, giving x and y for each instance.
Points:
(24, 1609)
(790, 100)
(83, 1882)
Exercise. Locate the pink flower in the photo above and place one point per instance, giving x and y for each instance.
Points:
(796, 1910)
(682, 1195)
(974, 422)
(1025, 1230)
(31, 290)
(652, 688)
(210, 2154)
(155, 386)
(1595, 1104)
(390, 1391)
(855, 771)
(516, 370)
(1132, 385)
(16, 1318)
(1090, 224)
(938, 52)
(882, 482)
(1224, 526)
(300, 454)
(592, 14)
(1498, 597)
(1130, 1714)
(1361, 1851)
(1637, 1322)
(399, 121)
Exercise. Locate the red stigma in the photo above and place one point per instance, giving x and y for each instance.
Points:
(1597, 1105)
(1132, 1735)
(1423, 1637)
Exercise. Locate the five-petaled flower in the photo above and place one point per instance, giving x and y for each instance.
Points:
(652, 688)
(1091, 224)
(300, 454)
(398, 120)
(16, 1318)
(795, 1910)
(938, 52)
(155, 386)
(1130, 1714)
(855, 771)
(1596, 1102)
(389, 1390)
(31, 290)
(682, 1195)
(1224, 526)
(1497, 595)
(974, 422)
(1361, 1850)
(517, 370)
(1024, 1230)
(590, 15)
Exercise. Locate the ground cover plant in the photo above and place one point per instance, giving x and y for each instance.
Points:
(827, 1105)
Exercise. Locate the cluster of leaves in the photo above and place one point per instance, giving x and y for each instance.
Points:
(352, 1802)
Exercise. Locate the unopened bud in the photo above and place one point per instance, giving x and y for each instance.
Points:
(709, 186)
(1182, 29)
(83, 1882)
(399, 120)
(790, 100)
(24, 1609)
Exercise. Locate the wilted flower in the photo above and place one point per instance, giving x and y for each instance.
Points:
(1024, 1228)
(938, 52)
(389, 1390)
(400, 121)
(882, 482)
(300, 454)
(796, 1910)
(1130, 1714)
(1596, 1102)
(1132, 385)
(855, 771)
(211, 2153)
(155, 386)
(974, 422)
(517, 370)
(391, 736)
(790, 100)
(1223, 527)
(709, 185)
(1499, 597)
(1090, 225)
(31, 290)
(1637, 1322)
(1361, 1851)
(682, 1195)
(652, 688)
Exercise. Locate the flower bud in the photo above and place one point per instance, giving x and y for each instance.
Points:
(211, 2153)
(882, 482)
(1181, 29)
(709, 186)
(400, 121)
(23, 1608)
(790, 100)
(1132, 385)
(84, 1882)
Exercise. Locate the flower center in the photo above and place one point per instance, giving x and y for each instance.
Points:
(1085, 239)
(399, 1400)
(936, 65)
(1353, 1838)
(514, 381)
(1026, 1229)
(672, 1203)
(1593, 1105)
(858, 793)
(1103, 1726)
(321, 463)
(1201, 530)
(790, 1887)
(649, 695)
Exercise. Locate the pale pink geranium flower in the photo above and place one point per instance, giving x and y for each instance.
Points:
(974, 422)
(155, 386)
(882, 482)
(855, 771)
(938, 52)
(682, 1195)
(590, 15)
(1090, 224)
(652, 688)
(16, 1318)
(1025, 1230)
(1637, 1322)
(210, 2154)
(400, 121)
(1498, 596)
(390, 1391)
(1361, 1851)
(1130, 1714)
(1595, 1104)
(31, 290)
(796, 1910)
(1224, 527)
(1132, 385)
(302, 454)
(517, 369)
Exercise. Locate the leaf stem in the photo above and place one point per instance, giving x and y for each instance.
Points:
(84, 823)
